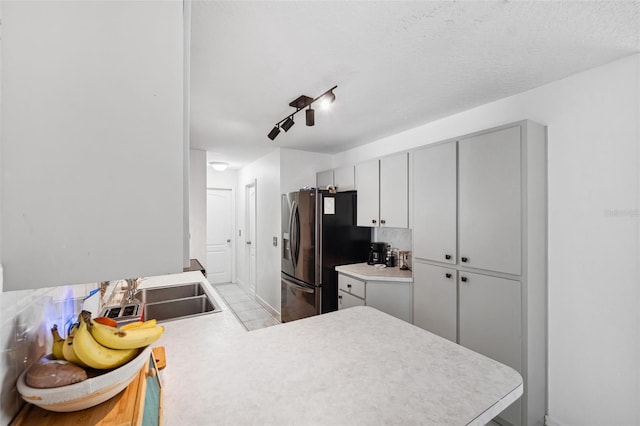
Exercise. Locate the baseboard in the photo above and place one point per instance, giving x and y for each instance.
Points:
(549, 421)
(274, 313)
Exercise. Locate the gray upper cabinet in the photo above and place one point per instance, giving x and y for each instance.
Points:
(435, 203)
(324, 179)
(93, 146)
(344, 178)
(394, 191)
(490, 193)
(368, 185)
(383, 192)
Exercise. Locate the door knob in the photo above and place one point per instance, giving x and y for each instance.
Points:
(465, 259)
(383, 221)
(447, 256)
(448, 275)
(228, 240)
(463, 279)
(374, 221)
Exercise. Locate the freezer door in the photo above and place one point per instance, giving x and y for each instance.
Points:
(298, 300)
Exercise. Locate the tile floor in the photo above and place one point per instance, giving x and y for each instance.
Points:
(249, 312)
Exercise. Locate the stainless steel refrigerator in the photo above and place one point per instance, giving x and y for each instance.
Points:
(318, 234)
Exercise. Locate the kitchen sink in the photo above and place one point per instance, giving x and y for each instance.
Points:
(176, 302)
(164, 294)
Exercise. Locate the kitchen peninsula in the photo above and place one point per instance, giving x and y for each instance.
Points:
(354, 366)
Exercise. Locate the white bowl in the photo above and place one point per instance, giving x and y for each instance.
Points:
(87, 393)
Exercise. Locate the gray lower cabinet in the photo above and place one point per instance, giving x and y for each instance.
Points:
(490, 314)
(435, 299)
(392, 297)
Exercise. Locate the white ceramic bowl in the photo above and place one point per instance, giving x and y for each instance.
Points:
(87, 393)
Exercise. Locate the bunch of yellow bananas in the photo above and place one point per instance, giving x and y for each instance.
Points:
(95, 345)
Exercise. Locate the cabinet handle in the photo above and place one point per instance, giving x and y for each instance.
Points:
(448, 275)
(463, 279)
(374, 221)
(464, 259)
(447, 256)
(339, 297)
(383, 221)
(348, 285)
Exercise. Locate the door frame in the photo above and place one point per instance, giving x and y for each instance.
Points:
(233, 227)
(251, 287)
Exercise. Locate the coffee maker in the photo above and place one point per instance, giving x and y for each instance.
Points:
(376, 253)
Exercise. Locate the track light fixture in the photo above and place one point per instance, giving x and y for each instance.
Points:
(311, 117)
(288, 123)
(274, 132)
(299, 104)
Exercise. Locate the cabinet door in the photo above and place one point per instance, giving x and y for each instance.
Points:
(435, 299)
(368, 185)
(346, 300)
(394, 191)
(490, 322)
(344, 178)
(324, 179)
(392, 297)
(490, 201)
(435, 203)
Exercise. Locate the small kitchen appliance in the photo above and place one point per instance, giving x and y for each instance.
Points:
(376, 253)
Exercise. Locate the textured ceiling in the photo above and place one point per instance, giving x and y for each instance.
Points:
(397, 64)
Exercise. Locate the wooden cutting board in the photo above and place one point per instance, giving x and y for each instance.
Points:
(124, 409)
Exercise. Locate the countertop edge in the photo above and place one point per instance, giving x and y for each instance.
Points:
(382, 274)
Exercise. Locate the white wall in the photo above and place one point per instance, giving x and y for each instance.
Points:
(266, 173)
(298, 168)
(198, 206)
(594, 191)
(222, 180)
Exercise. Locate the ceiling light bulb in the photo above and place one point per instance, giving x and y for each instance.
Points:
(218, 165)
(327, 100)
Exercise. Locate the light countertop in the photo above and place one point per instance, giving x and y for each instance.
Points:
(354, 366)
(368, 272)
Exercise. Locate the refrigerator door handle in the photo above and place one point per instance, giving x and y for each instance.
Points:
(294, 232)
(297, 287)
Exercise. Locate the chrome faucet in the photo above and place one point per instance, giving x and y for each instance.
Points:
(132, 286)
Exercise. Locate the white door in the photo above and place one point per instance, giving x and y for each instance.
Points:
(435, 203)
(219, 232)
(490, 201)
(251, 236)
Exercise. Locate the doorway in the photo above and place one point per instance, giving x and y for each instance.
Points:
(219, 232)
(250, 236)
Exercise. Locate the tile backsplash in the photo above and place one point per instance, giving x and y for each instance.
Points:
(26, 318)
(399, 238)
